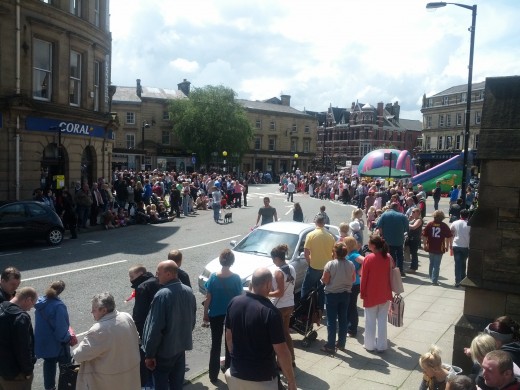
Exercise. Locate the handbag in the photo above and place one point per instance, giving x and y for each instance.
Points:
(68, 376)
(395, 279)
(396, 311)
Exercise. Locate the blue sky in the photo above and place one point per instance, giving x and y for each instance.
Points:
(319, 52)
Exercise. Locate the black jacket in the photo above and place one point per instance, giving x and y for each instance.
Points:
(514, 350)
(16, 341)
(4, 296)
(145, 287)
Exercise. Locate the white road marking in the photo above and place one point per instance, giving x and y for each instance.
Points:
(74, 270)
(52, 248)
(10, 254)
(208, 243)
(290, 209)
(90, 242)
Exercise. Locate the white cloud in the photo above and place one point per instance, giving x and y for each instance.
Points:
(320, 53)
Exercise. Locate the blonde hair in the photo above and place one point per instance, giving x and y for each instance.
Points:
(431, 359)
(351, 243)
(357, 213)
(343, 227)
(481, 345)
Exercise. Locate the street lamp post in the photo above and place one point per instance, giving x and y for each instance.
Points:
(473, 9)
(144, 126)
(224, 154)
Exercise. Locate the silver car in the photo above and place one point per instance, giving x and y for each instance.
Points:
(254, 251)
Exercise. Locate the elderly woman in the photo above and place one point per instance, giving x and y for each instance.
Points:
(109, 353)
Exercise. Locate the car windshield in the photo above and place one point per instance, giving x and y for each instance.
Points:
(261, 242)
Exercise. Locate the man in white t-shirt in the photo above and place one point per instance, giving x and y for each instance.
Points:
(460, 245)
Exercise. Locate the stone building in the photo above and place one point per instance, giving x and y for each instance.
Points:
(492, 285)
(145, 139)
(54, 94)
(348, 135)
(443, 124)
(284, 137)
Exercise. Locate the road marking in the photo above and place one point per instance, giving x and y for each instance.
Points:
(207, 243)
(52, 248)
(10, 254)
(74, 270)
(90, 242)
(290, 209)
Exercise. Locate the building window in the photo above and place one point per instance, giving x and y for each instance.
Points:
(294, 145)
(429, 102)
(272, 144)
(165, 139)
(480, 95)
(130, 141)
(130, 118)
(441, 120)
(477, 117)
(365, 149)
(294, 129)
(42, 70)
(75, 79)
(445, 100)
(427, 144)
(166, 116)
(75, 7)
(448, 120)
(429, 122)
(258, 124)
(96, 13)
(458, 142)
(463, 96)
(97, 77)
(439, 143)
(307, 129)
(258, 143)
(272, 125)
(306, 146)
(449, 143)
(476, 140)
(459, 119)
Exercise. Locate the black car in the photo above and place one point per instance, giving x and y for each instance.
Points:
(29, 220)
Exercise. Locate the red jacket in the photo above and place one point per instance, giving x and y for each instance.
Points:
(375, 280)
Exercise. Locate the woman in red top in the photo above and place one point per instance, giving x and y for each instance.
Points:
(376, 293)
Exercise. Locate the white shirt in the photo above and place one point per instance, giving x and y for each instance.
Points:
(287, 299)
(460, 230)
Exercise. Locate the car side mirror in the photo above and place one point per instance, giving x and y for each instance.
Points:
(233, 243)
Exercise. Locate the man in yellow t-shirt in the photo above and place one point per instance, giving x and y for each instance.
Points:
(318, 248)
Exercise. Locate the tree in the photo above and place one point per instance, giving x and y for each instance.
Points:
(211, 121)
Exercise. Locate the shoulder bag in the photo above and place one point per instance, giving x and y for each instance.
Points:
(395, 278)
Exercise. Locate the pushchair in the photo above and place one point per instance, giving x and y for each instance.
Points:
(305, 315)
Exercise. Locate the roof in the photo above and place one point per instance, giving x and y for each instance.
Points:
(461, 88)
(410, 124)
(270, 107)
(129, 95)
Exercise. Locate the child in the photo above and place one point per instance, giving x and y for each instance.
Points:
(435, 373)
(343, 231)
(371, 217)
(357, 226)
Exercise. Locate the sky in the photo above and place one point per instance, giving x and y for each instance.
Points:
(321, 52)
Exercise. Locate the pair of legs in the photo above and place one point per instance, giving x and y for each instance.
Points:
(337, 310)
(312, 281)
(49, 370)
(286, 318)
(216, 325)
(435, 265)
(397, 254)
(376, 317)
(216, 211)
(460, 256)
(169, 374)
(414, 249)
(290, 197)
(353, 316)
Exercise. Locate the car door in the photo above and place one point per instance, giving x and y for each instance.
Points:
(12, 222)
(299, 263)
(38, 220)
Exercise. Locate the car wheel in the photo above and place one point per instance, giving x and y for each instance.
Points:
(55, 236)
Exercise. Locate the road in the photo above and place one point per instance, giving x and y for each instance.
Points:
(99, 260)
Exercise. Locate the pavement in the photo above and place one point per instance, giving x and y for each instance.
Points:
(430, 315)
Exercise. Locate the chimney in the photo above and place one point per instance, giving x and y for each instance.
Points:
(397, 109)
(139, 89)
(380, 114)
(184, 87)
(286, 100)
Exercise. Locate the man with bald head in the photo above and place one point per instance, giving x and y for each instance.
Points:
(255, 338)
(167, 333)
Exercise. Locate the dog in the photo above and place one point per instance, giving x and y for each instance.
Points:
(228, 217)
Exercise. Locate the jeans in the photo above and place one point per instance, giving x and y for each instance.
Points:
(460, 255)
(397, 254)
(414, 248)
(353, 316)
(217, 329)
(169, 375)
(216, 211)
(49, 370)
(337, 309)
(436, 204)
(185, 205)
(376, 315)
(83, 214)
(290, 196)
(312, 281)
(435, 264)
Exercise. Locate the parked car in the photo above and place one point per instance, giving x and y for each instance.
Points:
(254, 251)
(28, 221)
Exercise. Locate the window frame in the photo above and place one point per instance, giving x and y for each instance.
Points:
(165, 136)
(272, 125)
(130, 140)
(75, 78)
(272, 144)
(47, 72)
(130, 118)
(478, 118)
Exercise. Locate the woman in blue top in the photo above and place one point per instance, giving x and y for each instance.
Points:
(51, 332)
(221, 287)
(356, 259)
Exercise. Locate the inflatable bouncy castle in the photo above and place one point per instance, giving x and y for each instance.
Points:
(401, 160)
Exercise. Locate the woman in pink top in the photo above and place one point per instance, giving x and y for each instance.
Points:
(376, 293)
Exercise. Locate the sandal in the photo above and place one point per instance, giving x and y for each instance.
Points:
(327, 350)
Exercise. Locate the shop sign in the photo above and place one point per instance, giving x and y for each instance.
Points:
(66, 127)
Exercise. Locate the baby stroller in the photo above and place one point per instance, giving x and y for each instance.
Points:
(305, 314)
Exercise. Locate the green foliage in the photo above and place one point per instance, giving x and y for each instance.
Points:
(210, 120)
